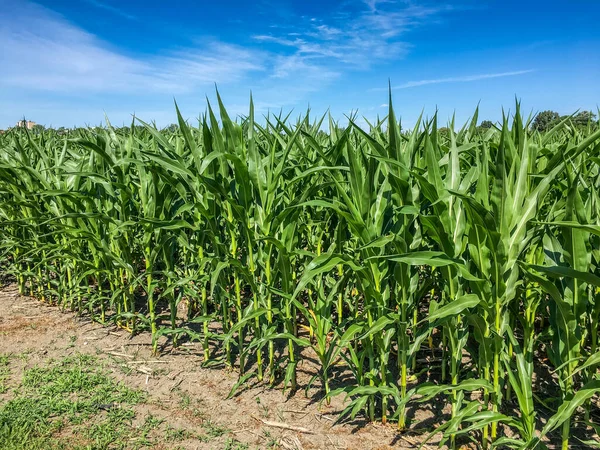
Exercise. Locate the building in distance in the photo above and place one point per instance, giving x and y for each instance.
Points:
(29, 124)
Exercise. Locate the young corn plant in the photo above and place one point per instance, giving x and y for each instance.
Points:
(428, 264)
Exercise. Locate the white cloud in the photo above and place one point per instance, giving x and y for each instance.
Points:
(46, 56)
(291, 66)
(461, 79)
(43, 51)
(349, 39)
(112, 9)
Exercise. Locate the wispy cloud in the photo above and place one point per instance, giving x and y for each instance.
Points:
(357, 36)
(461, 79)
(43, 51)
(112, 9)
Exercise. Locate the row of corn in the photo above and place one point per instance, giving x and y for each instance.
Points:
(419, 266)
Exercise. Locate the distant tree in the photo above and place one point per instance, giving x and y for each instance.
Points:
(486, 124)
(444, 132)
(38, 128)
(322, 136)
(583, 118)
(172, 128)
(544, 120)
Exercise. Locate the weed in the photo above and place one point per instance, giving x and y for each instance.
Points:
(177, 434)
(233, 444)
(213, 430)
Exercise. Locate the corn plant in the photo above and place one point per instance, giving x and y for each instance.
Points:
(446, 265)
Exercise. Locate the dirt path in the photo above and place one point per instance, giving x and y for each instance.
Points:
(181, 394)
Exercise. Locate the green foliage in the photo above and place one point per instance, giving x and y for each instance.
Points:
(4, 373)
(544, 120)
(171, 128)
(37, 129)
(374, 248)
(61, 397)
(584, 118)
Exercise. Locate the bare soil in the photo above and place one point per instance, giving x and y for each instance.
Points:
(186, 395)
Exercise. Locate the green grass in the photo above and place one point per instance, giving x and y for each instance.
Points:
(232, 444)
(75, 403)
(213, 429)
(71, 397)
(178, 434)
(4, 373)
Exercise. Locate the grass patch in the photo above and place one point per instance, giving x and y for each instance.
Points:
(213, 430)
(4, 373)
(233, 444)
(74, 403)
(178, 434)
(71, 402)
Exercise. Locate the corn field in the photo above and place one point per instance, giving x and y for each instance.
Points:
(455, 265)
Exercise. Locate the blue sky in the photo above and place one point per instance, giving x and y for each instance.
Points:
(67, 62)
